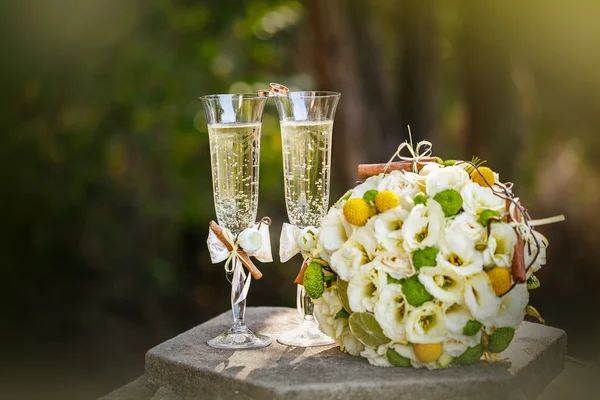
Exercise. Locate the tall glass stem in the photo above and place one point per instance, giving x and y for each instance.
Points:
(239, 309)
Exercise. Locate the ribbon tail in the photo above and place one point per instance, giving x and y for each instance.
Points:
(238, 277)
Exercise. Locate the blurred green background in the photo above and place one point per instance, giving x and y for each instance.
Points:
(104, 162)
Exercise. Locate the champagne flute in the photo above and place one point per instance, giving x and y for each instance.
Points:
(234, 122)
(306, 120)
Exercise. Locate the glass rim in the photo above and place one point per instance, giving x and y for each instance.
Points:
(248, 96)
(312, 94)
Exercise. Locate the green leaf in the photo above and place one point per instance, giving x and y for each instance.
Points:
(366, 329)
(370, 195)
(342, 290)
(533, 282)
(500, 340)
(532, 312)
(472, 327)
(396, 359)
(470, 356)
(342, 314)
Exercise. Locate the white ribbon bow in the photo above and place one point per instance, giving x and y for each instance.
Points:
(256, 238)
(294, 240)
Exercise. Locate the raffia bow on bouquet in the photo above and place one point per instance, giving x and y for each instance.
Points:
(251, 242)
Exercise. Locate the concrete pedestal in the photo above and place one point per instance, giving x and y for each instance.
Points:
(185, 367)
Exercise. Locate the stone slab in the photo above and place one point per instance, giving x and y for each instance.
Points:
(188, 367)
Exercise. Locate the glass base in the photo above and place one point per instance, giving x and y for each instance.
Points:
(239, 339)
(307, 334)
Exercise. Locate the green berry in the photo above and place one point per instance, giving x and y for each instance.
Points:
(425, 257)
(470, 356)
(415, 292)
(396, 359)
(500, 340)
(471, 328)
(313, 280)
(485, 216)
(420, 199)
(450, 201)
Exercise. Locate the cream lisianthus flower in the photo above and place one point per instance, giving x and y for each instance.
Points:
(443, 283)
(423, 227)
(446, 178)
(364, 288)
(457, 317)
(332, 235)
(403, 184)
(347, 261)
(512, 309)
(501, 245)
(387, 228)
(480, 298)
(390, 311)
(467, 225)
(376, 357)
(477, 198)
(459, 255)
(366, 238)
(429, 168)
(397, 265)
(426, 324)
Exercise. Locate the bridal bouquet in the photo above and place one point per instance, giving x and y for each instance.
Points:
(426, 263)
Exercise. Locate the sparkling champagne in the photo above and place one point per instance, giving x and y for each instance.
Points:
(306, 169)
(234, 151)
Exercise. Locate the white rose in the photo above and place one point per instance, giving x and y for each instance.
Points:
(347, 261)
(512, 308)
(459, 254)
(250, 240)
(404, 184)
(501, 245)
(480, 298)
(397, 265)
(375, 358)
(423, 227)
(443, 283)
(468, 225)
(426, 324)
(363, 289)
(441, 179)
(390, 310)
(477, 198)
(429, 168)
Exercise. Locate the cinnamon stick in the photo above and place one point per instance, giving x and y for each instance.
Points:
(368, 170)
(518, 261)
(300, 277)
(242, 256)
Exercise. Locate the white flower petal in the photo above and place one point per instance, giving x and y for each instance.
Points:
(443, 283)
(347, 261)
(441, 179)
(512, 308)
(424, 226)
(390, 311)
(480, 297)
(375, 358)
(363, 290)
(426, 324)
(459, 254)
(501, 245)
(477, 198)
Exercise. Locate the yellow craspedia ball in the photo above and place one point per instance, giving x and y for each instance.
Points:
(483, 176)
(386, 200)
(357, 211)
(428, 352)
(500, 279)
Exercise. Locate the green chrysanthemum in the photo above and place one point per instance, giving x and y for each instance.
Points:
(450, 200)
(415, 292)
(425, 257)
